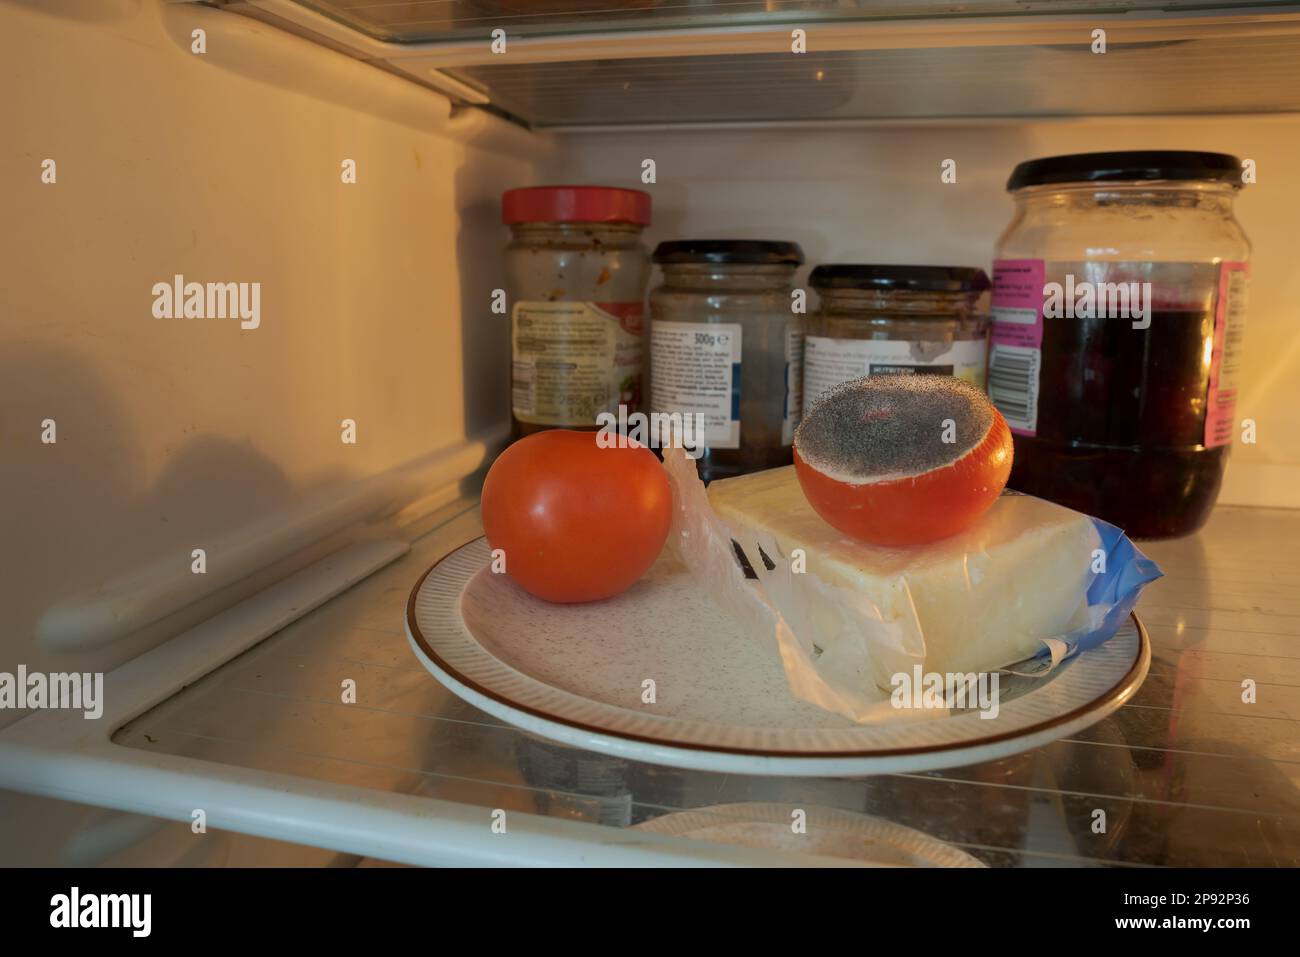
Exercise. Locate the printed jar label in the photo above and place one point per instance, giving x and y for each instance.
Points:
(1016, 342)
(794, 361)
(574, 360)
(828, 362)
(696, 370)
(1225, 362)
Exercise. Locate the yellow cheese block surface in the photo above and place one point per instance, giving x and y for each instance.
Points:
(980, 600)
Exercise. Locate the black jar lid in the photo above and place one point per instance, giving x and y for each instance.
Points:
(739, 252)
(1131, 165)
(910, 278)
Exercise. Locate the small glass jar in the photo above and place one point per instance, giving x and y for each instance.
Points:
(577, 272)
(1118, 306)
(727, 346)
(895, 320)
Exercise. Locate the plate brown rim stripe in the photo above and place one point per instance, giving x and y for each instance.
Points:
(1120, 689)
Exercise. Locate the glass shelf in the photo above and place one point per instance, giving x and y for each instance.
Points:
(423, 21)
(592, 63)
(1207, 76)
(1187, 773)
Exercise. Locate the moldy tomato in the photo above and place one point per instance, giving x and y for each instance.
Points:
(902, 459)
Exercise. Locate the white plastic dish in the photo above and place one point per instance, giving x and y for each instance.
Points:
(825, 831)
(660, 674)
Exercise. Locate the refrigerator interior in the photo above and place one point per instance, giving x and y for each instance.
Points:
(173, 435)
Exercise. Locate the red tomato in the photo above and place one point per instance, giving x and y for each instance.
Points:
(917, 508)
(577, 522)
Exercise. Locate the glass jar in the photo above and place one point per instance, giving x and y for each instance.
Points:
(727, 346)
(1118, 306)
(895, 320)
(577, 272)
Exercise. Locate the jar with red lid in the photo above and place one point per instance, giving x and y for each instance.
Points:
(577, 272)
(1118, 318)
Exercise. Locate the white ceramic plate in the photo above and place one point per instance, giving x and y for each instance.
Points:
(827, 831)
(577, 674)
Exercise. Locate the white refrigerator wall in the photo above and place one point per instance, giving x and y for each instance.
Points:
(874, 194)
(177, 434)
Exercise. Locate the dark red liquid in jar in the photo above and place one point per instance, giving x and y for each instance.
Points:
(1121, 421)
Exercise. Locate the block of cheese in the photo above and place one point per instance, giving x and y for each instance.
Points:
(978, 601)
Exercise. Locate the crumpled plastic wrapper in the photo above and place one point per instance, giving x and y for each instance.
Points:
(858, 644)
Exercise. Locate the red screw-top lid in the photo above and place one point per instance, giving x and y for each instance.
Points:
(575, 204)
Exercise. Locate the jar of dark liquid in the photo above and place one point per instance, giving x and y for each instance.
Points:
(1118, 313)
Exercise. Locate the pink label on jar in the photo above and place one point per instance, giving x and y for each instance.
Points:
(1225, 361)
(1015, 345)
(1018, 302)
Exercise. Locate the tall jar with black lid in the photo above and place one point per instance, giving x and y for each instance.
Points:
(877, 319)
(1118, 315)
(726, 345)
